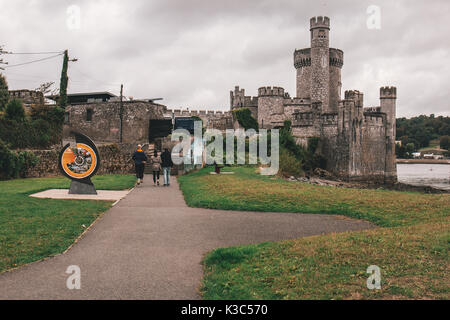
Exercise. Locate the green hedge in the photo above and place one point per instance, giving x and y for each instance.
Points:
(41, 129)
(14, 164)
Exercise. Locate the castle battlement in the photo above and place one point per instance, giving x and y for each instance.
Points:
(302, 58)
(200, 113)
(320, 22)
(388, 93)
(374, 119)
(270, 91)
(336, 57)
(372, 109)
(303, 119)
(329, 119)
(296, 101)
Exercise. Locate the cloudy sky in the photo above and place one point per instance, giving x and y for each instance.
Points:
(193, 52)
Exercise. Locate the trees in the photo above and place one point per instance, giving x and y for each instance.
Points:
(422, 129)
(4, 93)
(444, 142)
(245, 118)
(63, 83)
(15, 110)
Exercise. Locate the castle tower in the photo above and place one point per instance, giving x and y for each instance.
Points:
(302, 62)
(320, 57)
(270, 107)
(388, 96)
(336, 63)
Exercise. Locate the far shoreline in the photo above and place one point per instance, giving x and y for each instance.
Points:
(422, 161)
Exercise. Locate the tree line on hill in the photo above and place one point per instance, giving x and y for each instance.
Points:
(417, 132)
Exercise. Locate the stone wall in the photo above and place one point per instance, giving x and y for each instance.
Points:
(28, 97)
(104, 122)
(115, 159)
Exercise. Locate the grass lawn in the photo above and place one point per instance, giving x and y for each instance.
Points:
(32, 229)
(410, 247)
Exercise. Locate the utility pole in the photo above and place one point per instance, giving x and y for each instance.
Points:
(121, 113)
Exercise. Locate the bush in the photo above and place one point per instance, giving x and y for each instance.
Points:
(308, 157)
(15, 110)
(43, 130)
(289, 164)
(245, 119)
(14, 164)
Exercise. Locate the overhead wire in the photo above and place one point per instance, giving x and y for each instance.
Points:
(34, 61)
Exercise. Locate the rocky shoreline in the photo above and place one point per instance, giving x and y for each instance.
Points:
(317, 180)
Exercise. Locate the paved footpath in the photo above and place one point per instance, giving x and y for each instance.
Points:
(150, 245)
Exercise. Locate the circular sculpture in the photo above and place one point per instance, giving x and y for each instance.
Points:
(80, 163)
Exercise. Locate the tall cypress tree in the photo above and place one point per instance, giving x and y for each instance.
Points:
(64, 81)
(4, 93)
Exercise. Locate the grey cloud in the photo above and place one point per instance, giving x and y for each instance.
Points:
(192, 52)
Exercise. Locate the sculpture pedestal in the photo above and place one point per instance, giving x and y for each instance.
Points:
(82, 187)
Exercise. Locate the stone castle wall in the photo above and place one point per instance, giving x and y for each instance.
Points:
(104, 124)
(115, 159)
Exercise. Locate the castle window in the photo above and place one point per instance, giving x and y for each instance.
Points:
(66, 117)
(321, 34)
(89, 115)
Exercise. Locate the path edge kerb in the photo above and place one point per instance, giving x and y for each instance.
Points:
(81, 236)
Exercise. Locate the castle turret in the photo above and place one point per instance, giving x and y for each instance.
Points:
(302, 62)
(320, 61)
(388, 97)
(270, 107)
(336, 63)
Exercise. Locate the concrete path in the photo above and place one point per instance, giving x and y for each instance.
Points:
(150, 245)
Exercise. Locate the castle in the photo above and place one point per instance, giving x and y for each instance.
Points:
(358, 142)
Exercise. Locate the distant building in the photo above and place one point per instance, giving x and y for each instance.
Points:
(89, 97)
(29, 98)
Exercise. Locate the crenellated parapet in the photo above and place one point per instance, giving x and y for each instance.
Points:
(329, 119)
(372, 109)
(302, 58)
(388, 93)
(271, 91)
(374, 119)
(238, 99)
(296, 101)
(199, 113)
(356, 96)
(320, 22)
(336, 57)
(303, 119)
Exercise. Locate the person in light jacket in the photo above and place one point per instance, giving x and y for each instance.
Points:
(156, 167)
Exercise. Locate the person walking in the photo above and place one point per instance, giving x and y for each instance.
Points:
(156, 167)
(140, 159)
(166, 162)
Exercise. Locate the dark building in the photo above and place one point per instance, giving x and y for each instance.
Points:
(81, 98)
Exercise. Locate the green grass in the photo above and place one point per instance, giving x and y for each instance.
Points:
(32, 229)
(246, 190)
(411, 246)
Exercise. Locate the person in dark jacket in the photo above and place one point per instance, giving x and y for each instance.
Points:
(140, 159)
(166, 163)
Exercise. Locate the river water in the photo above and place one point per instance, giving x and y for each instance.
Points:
(434, 175)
